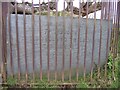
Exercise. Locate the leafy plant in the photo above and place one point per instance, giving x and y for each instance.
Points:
(110, 62)
(82, 84)
(11, 81)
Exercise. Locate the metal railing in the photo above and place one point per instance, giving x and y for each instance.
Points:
(5, 20)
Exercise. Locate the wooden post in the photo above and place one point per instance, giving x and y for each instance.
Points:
(3, 46)
(4, 40)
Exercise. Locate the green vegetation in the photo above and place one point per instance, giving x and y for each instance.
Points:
(11, 81)
(111, 81)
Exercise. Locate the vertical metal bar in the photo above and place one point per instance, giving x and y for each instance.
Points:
(63, 50)
(112, 33)
(70, 72)
(99, 56)
(9, 30)
(114, 26)
(17, 41)
(118, 23)
(93, 43)
(104, 9)
(107, 43)
(25, 47)
(112, 30)
(48, 46)
(1, 46)
(85, 50)
(118, 12)
(114, 40)
(40, 37)
(106, 5)
(78, 50)
(116, 34)
(33, 54)
(56, 38)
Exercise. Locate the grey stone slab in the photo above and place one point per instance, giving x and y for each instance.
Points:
(52, 39)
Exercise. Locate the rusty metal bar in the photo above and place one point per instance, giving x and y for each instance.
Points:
(48, 43)
(106, 5)
(114, 26)
(107, 43)
(118, 23)
(17, 42)
(78, 50)
(104, 9)
(33, 48)
(115, 38)
(85, 50)
(56, 39)
(1, 46)
(40, 37)
(112, 33)
(63, 50)
(113, 29)
(9, 30)
(25, 47)
(99, 57)
(116, 29)
(93, 44)
(70, 67)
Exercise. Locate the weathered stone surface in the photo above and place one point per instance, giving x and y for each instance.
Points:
(44, 29)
